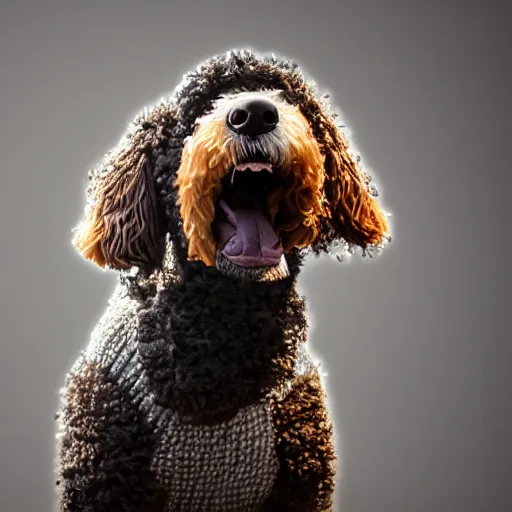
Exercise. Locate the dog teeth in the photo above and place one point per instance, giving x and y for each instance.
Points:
(254, 167)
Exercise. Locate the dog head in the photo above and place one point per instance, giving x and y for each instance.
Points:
(243, 167)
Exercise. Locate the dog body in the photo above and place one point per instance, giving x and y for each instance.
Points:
(197, 391)
(207, 452)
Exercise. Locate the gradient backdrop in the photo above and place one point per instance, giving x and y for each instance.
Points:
(416, 343)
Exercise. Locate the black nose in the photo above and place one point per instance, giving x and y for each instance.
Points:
(253, 117)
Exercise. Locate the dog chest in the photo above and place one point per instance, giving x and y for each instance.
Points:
(229, 466)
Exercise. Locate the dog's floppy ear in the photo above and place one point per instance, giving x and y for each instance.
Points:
(354, 214)
(122, 225)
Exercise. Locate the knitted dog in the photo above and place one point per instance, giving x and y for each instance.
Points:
(197, 391)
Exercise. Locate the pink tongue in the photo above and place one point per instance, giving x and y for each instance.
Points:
(247, 238)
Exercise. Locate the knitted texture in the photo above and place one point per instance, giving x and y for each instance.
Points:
(197, 391)
(200, 464)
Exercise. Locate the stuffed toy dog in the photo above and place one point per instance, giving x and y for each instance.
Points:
(197, 391)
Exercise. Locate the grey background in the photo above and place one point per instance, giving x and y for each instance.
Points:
(416, 343)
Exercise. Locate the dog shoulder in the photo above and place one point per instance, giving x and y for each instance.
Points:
(112, 337)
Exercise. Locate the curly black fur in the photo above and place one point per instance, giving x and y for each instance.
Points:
(212, 344)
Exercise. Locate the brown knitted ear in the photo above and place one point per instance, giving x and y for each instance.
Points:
(122, 228)
(354, 213)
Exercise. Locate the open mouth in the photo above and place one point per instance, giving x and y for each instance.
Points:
(242, 225)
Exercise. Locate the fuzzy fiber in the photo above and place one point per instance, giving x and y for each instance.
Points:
(197, 390)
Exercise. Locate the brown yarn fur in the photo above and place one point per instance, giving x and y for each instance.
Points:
(205, 161)
(354, 213)
(122, 228)
(305, 449)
